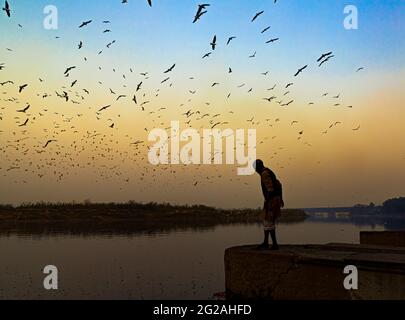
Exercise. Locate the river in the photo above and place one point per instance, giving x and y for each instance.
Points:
(182, 264)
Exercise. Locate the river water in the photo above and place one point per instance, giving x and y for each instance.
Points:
(185, 264)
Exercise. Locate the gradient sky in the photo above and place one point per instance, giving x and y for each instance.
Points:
(342, 167)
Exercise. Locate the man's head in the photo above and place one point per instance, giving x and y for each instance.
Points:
(258, 165)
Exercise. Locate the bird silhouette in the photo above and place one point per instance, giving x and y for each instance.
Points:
(170, 69)
(300, 70)
(85, 23)
(272, 40)
(229, 40)
(323, 56)
(24, 124)
(21, 88)
(200, 11)
(25, 109)
(257, 15)
(48, 142)
(265, 29)
(7, 9)
(214, 43)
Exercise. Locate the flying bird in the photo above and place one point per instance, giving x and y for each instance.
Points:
(68, 70)
(200, 11)
(48, 142)
(25, 109)
(257, 15)
(326, 60)
(265, 29)
(214, 42)
(300, 70)
(7, 9)
(85, 23)
(324, 56)
(104, 108)
(272, 40)
(24, 124)
(230, 39)
(269, 99)
(289, 85)
(170, 69)
(21, 88)
(253, 55)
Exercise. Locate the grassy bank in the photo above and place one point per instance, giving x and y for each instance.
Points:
(124, 218)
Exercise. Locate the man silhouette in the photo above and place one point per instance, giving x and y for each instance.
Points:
(273, 202)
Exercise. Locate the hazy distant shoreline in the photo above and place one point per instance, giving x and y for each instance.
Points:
(124, 218)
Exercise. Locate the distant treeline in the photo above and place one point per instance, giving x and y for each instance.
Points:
(87, 204)
(395, 206)
(124, 218)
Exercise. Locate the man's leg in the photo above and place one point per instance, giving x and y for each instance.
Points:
(275, 214)
(265, 244)
(274, 240)
(266, 237)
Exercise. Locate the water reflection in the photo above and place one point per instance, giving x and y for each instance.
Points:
(182, 263)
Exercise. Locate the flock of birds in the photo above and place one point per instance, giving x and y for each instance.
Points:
(54, 153)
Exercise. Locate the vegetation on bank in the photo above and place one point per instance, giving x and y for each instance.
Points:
(128, 209)
(124, 218)
(394, 206)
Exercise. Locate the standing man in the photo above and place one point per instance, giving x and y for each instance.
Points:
(273, 202)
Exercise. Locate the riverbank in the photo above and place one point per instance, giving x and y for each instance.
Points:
(124, 218)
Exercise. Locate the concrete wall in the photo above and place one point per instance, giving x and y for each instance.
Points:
(313, 272)
(385, 238)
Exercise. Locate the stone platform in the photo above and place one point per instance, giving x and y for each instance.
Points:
(314, 272)
(383, 238)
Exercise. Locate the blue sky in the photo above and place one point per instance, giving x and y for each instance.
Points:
(305, 28)
(153, 39)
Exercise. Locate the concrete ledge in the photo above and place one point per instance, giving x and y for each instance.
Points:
(384, 238)
(314, 272)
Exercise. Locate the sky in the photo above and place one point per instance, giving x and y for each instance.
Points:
(311, 144)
